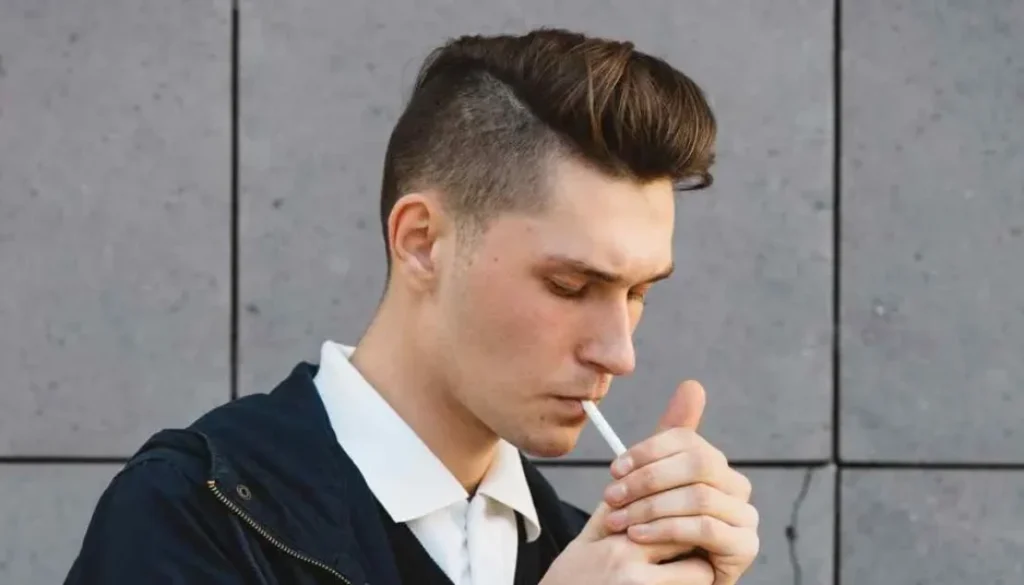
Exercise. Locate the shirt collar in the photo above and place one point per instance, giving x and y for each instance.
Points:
(380, 442)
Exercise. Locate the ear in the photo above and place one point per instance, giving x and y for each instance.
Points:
(415, 227)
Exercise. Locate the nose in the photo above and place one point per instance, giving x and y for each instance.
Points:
(609, 347)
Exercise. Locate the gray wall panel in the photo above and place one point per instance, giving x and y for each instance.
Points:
(933, 231)
(748, 312)
(936, 527)
(44, 512)
(115, 250)
(114, 221)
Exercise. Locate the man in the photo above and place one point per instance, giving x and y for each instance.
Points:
(527, 208)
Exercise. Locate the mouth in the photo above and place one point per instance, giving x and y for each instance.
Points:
(595, 398)
(571, 407)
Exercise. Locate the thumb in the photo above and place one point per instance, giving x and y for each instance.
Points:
(685, 408)
(595, 528)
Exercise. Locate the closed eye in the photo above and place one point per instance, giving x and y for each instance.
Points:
(564, 291)
(570, 292)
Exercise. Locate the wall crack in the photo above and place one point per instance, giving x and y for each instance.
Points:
(792, 534)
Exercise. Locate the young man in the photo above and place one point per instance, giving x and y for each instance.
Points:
(527, 207)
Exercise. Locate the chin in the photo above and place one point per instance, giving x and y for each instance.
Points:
(548, 451)
(548, 444)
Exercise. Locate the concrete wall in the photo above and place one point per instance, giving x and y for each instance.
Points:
(884, 450)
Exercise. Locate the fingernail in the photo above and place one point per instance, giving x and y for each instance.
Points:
(641, 531)
(616, 492)
(623, 465)
(618, 519)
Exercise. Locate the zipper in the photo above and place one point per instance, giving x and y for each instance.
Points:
(270, 538)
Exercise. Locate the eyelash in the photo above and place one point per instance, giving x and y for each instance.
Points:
(566, 292)
(576, 294)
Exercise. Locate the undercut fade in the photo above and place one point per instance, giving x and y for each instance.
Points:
(487, 114)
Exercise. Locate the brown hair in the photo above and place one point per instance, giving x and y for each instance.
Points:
(487, 112)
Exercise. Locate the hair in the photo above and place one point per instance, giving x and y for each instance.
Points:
(487, 114)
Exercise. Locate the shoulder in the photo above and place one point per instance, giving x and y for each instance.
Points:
(161, 491)
(155, 521)
(168, 472)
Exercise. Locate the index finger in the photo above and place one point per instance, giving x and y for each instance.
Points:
(663, 445)
(682, 470)
(675, 458)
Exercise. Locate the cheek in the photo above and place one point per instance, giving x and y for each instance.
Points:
(516, 315)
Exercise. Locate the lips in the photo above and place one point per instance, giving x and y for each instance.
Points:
(591, 397)
(593, 390)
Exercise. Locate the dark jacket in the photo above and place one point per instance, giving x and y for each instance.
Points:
(257, 491)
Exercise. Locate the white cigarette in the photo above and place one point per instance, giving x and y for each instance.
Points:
(604, 428)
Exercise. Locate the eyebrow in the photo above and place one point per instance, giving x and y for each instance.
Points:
(591, 271)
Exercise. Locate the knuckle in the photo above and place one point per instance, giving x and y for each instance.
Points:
(753, 548)
(647, 480)
(718, 456)
(707, 527)
(703, 496)
(703, 466)
(755, 516)
(642, 453)
(682, 436)
(675, 530)
(645, 510)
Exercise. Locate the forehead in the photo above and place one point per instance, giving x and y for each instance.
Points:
(618, 224)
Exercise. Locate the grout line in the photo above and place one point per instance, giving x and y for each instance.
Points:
(597, 464)
(234, 200)
(837, 238)
(811, 464)
(837, 521)
(935, 465)
(753, 463)
(61, 460)
(776, 463)
(837, 241)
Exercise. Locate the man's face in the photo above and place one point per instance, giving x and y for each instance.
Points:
(541, 314)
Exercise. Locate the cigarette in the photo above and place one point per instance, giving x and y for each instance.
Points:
(604, 428)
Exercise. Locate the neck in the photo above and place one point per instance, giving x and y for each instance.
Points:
(407, 376)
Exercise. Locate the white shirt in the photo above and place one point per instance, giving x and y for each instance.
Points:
(474, 541)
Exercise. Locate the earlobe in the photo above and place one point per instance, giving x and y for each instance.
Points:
(413, 230)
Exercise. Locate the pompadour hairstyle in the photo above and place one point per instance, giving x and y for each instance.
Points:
(487, 113)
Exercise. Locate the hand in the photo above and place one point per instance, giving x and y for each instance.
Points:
(676, 489)
(681, 489)
(596, 559)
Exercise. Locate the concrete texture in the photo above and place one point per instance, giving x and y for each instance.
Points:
(933, 231)
(43, 515)
(796, 507)
(114, 207)
(748, 313)
(116, 230)
(936, 527)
